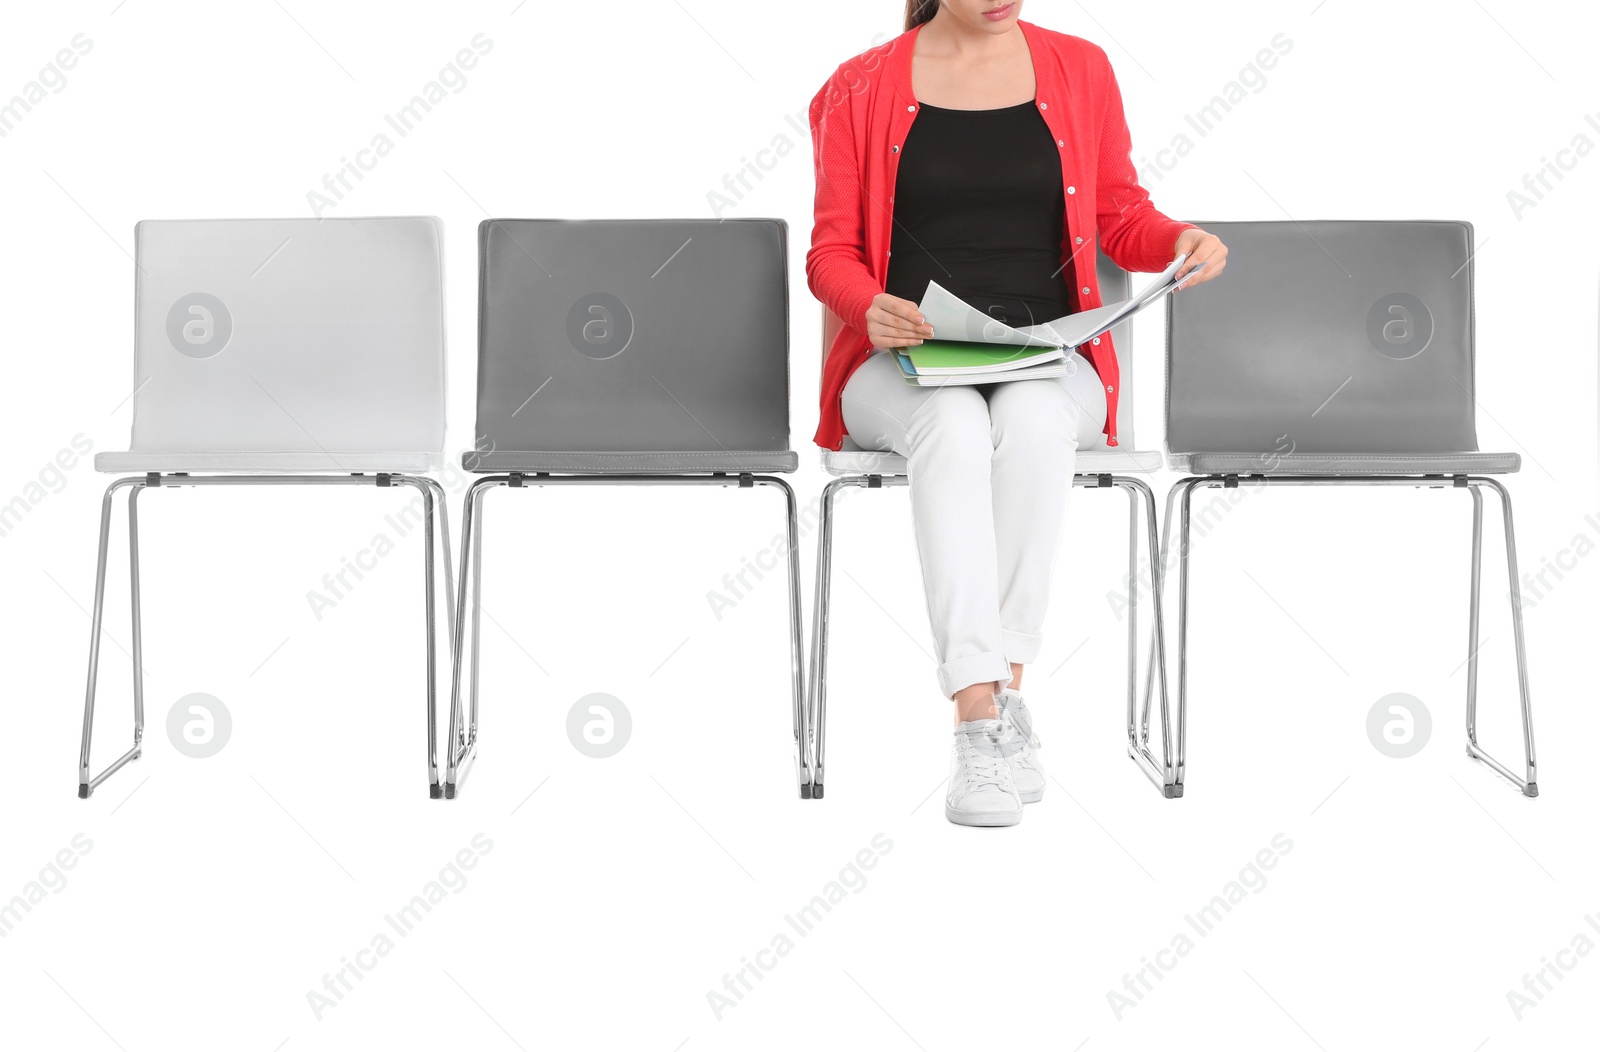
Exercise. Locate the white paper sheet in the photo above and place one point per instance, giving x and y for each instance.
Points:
(953, 318)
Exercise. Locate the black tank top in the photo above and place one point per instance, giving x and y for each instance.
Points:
(979, 208)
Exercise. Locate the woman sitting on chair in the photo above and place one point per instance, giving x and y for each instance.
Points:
(989, 155)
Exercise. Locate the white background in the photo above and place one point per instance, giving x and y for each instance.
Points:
(217, 893)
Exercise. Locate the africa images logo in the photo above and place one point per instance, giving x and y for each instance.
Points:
(1400, 326)
(600, 326)
(199, 325)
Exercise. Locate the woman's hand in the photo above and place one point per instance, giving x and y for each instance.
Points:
(894, 322)
(1202, 248)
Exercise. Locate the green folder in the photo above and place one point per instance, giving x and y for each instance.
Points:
(935, 357)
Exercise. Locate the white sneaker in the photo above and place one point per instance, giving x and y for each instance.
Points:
(1027, 773)
(981, 791)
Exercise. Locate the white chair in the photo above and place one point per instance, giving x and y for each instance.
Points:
(277, 352)
(1095, 469)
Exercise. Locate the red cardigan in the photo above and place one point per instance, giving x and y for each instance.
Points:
(859, 120)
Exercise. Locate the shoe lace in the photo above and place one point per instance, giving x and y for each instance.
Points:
(983, 761)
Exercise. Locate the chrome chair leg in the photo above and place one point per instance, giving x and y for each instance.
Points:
(432, 648)
(138, 621)
(1162, 558)
(1163, 773)
(466, 717)
(447, 552)
(87, 783)
(460, 750)
(432, 504)
(1529, 784)
(796, 634)
(471, 729)
(446, 549)
(1134, 736)
(1185, 538)
(1474, 607)
(818, 703)
(1179, 499)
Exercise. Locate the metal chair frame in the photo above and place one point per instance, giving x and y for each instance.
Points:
(463, 739)
(1182, 494)
(1164, 773)
(433, 502)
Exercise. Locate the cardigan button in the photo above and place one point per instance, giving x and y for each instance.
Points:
(911, 109)
(1072, 189)
(1080, 241)
(1086, 290)
(1061, 142)
(1044, 105)
(894, 149)
(1097, 341)
(1110, 389)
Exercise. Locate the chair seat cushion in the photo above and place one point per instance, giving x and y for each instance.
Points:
(1347, 463)
(639, 463)
(265, 462)
(853, 460)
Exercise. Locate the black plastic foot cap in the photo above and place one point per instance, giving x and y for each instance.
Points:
(805, 791)
(83, 791)
(816, 791)
(1172, 792)
(1532, 790)
(449, 791)
(434, 791)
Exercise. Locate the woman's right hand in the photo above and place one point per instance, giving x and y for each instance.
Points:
(894, 322)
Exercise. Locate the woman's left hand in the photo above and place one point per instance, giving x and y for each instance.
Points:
(1202, 248)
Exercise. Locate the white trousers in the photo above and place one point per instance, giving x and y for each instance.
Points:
(991, 469)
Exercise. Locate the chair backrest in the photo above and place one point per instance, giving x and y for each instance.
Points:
(289, 335)
(1326, 337)
(633, 335)
(1115, 285)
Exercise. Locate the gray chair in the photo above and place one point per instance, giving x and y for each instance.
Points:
(853, 466)
(626, 352)
(1336, 354)
(273, 352)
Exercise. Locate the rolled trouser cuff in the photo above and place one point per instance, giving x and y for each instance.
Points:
(963, 672)
(1022, 647)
